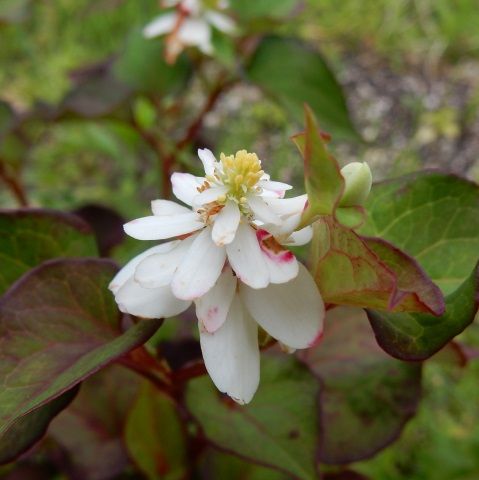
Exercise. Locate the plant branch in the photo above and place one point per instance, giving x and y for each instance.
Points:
(195, 127)
(14, 186)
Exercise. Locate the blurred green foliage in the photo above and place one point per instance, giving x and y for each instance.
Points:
(105, 161)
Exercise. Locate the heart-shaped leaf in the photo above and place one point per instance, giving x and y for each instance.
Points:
(27, 430)
(155, 436)
(91, 429)
(142, 67)
(58, 325)
(106, 223)
(278, 428)
(293, 73)
(28, 237)
(215, 464)
(415, 336)
(367, 396)
(350, 270)
(435, 217)
(432, 216)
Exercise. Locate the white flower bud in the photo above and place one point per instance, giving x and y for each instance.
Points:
(358, 180)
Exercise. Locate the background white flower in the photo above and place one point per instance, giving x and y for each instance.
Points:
(189, 25)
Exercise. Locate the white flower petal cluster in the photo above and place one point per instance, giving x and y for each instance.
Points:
(190, 25)
(230, 258)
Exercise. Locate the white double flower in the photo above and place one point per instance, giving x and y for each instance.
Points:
(231, 258)
(190, 24)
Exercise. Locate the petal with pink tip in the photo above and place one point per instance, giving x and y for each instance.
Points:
(231, 354)
(292, 312)
(278, 189)
(213, 307)
(281, 263)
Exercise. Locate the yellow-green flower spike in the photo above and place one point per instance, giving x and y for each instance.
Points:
(241, 173)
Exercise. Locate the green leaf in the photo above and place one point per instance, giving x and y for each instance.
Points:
(418, 336)
(28, 237)
(415, 290)
(323, 180)
(58, 325)
(252, 9)
(215, 464)
(432, 216)
(142, 66)
(91, 429)
(278, 428)
(293, 73)
(367, 396)
(155, 436)
(7, 117)
(435, 217)
(14, 11)
(27, 430)
(98, 94)
(367, 272)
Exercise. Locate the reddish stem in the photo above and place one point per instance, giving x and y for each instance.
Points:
(14, 186)
(195, 127)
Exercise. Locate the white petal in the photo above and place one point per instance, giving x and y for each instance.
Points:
(208, 159)
(200, 268)
(287, 206)
(282, 264)
(185, 186)
(157, 270)
(231, 354)
(246, 258)
(195, 32)
(213, 307)
(209, 195)
(167, 226)
(160, 25)
(129, 269)
(301, 237)
(277, 188)
(221, 22)
(226, 223)
(262, 211)
(167, 207)
(292, 312)
(149, 302)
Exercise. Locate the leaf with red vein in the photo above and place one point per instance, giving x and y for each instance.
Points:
(350, 270)
(367, 396)
(58, 325)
